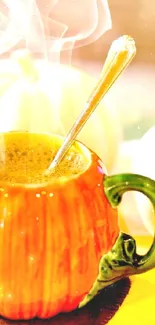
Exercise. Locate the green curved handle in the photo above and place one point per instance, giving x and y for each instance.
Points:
(123, 260)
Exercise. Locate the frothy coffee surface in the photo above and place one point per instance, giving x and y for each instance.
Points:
(24, 157)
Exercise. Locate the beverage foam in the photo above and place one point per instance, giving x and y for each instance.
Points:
(24, 157)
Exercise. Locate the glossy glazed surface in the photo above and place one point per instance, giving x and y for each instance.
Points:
(51, 240)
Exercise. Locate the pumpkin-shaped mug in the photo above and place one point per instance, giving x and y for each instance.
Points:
(60, 242)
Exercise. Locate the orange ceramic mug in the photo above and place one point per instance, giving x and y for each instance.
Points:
(60, 242)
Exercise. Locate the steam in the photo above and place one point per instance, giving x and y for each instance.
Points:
(48, 26)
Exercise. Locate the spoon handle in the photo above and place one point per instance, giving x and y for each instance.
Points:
(119, 56)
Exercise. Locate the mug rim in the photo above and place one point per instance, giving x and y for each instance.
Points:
(57, 181)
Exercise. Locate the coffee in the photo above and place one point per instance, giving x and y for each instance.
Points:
(24, 157)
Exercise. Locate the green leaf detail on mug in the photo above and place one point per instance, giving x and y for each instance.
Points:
(114, 265)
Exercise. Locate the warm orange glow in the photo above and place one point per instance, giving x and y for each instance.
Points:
(51, 240)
